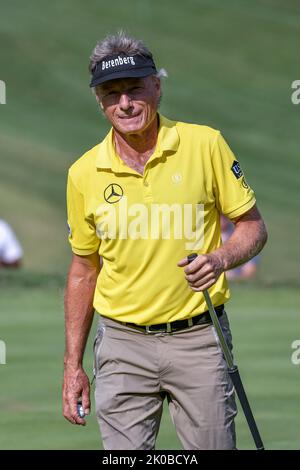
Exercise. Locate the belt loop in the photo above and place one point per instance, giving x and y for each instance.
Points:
(169, 328)
(190, 322)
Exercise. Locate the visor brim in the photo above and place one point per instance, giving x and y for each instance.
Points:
(133, 73)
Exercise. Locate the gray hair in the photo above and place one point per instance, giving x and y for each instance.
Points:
(120, 42)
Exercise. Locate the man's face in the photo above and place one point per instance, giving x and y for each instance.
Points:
(130, 104)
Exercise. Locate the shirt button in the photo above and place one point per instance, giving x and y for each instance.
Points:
(146, 184)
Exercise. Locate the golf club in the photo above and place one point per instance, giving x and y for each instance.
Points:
(232, 368)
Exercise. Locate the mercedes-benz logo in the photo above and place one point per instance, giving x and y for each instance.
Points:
(113, 193)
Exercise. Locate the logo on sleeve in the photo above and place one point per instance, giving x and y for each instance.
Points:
(236, 169)
(244, 183)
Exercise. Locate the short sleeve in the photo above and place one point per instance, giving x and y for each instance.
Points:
(81, 227)
(233, 195)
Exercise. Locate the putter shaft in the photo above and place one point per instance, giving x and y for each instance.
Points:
(232, 368)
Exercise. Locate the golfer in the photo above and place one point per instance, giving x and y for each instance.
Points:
(142, 200)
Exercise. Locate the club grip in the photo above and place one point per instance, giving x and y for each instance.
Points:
(191, 257)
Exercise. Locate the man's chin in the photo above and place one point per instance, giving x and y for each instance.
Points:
(130, 127)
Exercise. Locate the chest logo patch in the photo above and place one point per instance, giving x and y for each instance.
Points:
(113, 193)
(177, 178)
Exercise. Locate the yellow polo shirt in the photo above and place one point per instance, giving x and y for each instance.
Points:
(142, 225)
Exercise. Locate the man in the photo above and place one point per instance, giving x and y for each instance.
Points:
(11, 252)
(143, 199)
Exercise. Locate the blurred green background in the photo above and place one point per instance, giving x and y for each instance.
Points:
(230, 65)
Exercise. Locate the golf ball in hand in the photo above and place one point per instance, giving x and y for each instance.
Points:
(80, 410)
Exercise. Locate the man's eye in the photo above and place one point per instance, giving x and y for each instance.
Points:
(107, 93)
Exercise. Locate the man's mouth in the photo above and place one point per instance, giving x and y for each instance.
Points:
(131, 116)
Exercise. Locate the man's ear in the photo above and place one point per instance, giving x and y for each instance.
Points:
(157, 82)
(99, 101)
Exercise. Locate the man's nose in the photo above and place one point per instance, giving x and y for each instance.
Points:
(125, 102)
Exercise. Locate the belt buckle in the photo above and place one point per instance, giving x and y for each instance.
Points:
(149, 331)
(163, 330)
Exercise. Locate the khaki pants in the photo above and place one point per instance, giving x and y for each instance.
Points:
(136, 371)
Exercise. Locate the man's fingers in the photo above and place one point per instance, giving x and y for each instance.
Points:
(204, 286)
(203, 280)
(76, 386)
(67, 414)
(74, 414)
(195, 265)
(199, 274)
(183, 262)
(70, 411)
(86, 403)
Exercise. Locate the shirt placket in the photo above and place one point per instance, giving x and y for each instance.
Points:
(147, 186)
(147, 177)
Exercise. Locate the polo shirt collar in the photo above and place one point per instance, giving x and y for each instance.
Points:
(168, 138)
(167, 141)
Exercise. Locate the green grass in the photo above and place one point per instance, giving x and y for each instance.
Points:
(263, 323)
(231, 65)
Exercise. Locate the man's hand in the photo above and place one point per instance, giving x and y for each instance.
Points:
(246, 241)
(76, 385)
(203, 272)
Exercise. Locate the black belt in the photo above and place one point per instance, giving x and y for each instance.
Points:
(179, 324)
